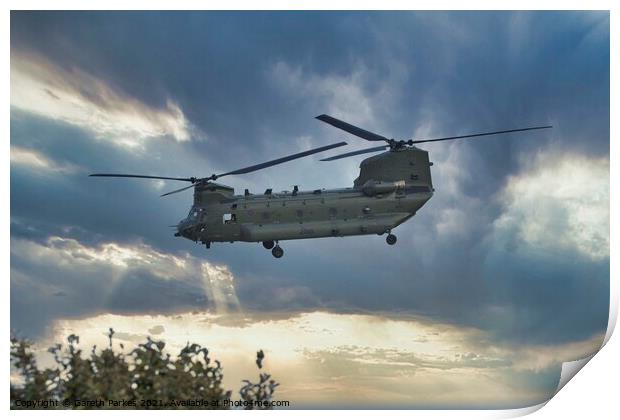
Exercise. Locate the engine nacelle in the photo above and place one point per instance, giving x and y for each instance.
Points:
(372, 188)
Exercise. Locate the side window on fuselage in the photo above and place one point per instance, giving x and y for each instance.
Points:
(229, 218)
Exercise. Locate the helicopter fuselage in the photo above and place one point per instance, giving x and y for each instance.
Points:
(390, 189)
(308, 214)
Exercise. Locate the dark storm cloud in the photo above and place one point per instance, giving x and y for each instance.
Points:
(94, 205)
(253, 81)
(478, 70)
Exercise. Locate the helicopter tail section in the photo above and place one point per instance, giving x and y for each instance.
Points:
(409, 165)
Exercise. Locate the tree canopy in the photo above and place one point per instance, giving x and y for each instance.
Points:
(144, 377)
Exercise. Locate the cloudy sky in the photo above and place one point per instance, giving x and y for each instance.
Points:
(501, 276)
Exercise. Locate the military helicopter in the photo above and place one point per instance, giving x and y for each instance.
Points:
(391, 187)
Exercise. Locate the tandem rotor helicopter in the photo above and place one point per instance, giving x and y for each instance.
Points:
(390, 189)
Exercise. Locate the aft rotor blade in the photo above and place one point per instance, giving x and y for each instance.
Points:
(349, 128)
(176, 191)
(281, 160)
(143, 176)
(357, 152)
(479, 134)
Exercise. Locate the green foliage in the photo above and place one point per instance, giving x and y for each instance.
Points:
(145, 375)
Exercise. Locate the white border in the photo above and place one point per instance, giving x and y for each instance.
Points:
(593, 394)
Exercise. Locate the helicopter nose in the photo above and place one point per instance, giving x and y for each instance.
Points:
(181, 227)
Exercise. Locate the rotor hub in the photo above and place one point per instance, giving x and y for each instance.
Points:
(399, 144)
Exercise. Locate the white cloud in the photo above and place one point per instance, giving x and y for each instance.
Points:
(457, 214)
(346, 96)
(38, 161)
(341, 95)
(453, 214)
(561, 201)
(76, 97)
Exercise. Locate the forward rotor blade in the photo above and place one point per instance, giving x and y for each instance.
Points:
(479, 134)
(143, 176)
(176, 191)
(349, 128)
(281, 160)
(357, 152)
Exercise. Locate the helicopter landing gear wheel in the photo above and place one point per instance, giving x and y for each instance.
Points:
(268, 244)
(390, 239)
(277, 251)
